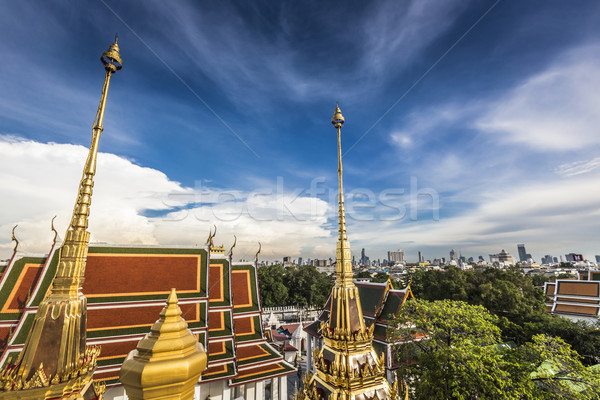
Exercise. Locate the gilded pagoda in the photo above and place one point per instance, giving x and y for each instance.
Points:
(347, 366)
(56, 362)
(58, 311)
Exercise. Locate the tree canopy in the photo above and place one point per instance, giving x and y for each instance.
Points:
(514, 299)
(453, 350)
(295, 285)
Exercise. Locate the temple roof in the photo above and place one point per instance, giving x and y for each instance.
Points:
(378, 301)
(126, 288)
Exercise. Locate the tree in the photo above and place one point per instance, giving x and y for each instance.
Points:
(273, 291)
(363, 274)
(296, 285)
(512, 297)
(451, 350)
(449, 353)
(554, 370)
(380, 277)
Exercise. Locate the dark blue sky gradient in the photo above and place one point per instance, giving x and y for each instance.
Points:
(273, 72)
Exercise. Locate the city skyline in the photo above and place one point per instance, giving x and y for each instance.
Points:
(228, 98)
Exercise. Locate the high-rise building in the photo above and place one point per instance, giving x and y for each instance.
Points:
(396, 257)
(597, 259)
(364, 260)
(572, 257)
(299, 260)
(547, 259)
(453, 255)
(503, 257)
(421, 259)
(523, 255)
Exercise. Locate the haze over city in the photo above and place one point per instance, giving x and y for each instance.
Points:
(469, 125)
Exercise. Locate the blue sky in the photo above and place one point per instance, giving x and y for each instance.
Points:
(221, 115)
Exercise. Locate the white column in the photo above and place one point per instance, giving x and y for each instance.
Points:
(275, 389)
(238, 392)
(215, 390)
(250, 392)
(260, 390)
(226, 391)
(283, 388)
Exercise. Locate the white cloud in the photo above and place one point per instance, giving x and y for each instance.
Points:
(40, 181)
(555, 216)
(578, 167)
(398, 31)
(554, 110)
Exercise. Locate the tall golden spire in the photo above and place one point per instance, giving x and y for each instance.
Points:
(343, 256)
(346, 313)
(346, 367)
(56, 345)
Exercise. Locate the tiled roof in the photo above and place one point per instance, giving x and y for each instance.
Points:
(126, 289)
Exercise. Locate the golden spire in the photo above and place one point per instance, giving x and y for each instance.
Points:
(343, 256)
(346, 313)
(167, 362)
(59, 347)
(347, 366)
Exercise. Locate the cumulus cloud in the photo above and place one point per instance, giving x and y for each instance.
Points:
(141, 206)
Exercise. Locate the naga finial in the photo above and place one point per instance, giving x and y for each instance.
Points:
(257, 253)
(14, 238)
(234, 243)
(211, 235)
(53, 230)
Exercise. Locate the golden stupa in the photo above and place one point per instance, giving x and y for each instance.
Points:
(167, 363)
(55, 362)
(346, 367)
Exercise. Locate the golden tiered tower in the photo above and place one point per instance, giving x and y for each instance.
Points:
(55, 361)
(167, 363)
(347, 367)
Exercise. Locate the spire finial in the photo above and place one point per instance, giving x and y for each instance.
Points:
(172, 299)
(338, 119)
(111, 58)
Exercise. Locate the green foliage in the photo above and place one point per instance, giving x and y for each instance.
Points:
(380, 277)
(458, 359)
(539, 279)
(273, 291)
(451, 350)
(296, 285)
(511, 296)
(363, 274)
(555, 370)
